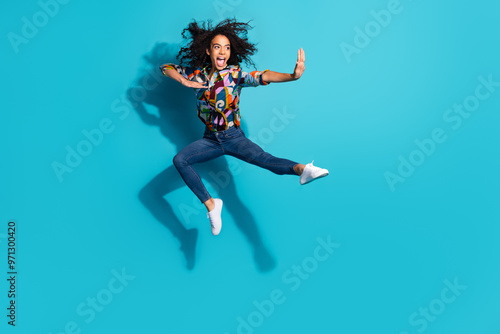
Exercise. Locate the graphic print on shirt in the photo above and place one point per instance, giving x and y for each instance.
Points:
(218, 103)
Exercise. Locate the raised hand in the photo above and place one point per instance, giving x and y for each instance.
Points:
(299, 66)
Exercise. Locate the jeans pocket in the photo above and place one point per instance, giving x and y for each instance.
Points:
(234, 133)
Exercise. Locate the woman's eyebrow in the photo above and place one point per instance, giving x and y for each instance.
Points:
(221, 45)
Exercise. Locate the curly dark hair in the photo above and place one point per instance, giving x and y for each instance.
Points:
(199, 37)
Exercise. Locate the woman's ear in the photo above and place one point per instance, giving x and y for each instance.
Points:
(208, 52)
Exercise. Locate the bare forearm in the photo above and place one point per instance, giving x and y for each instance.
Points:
(271, 76)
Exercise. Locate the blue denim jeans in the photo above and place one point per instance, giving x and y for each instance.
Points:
(232, 142)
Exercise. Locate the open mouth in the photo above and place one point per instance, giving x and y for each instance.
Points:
(220, 61)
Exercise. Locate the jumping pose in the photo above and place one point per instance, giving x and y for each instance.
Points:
(213, 56)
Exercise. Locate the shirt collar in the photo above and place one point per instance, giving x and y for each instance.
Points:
(205, 70)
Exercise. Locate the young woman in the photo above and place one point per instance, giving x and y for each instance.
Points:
(213, 56)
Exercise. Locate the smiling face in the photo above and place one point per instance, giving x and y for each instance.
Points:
(219, 52)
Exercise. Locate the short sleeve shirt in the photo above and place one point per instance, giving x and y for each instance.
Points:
(217, 104)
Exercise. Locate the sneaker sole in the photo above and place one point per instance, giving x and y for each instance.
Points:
(317, 177)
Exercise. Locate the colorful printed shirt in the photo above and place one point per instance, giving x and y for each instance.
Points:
(218, 103)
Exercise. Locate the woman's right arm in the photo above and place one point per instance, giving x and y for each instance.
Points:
(172, 71)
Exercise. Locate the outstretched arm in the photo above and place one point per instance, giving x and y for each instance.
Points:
(270, 76)
(173, 74)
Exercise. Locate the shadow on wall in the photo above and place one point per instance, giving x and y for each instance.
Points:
(178, 122)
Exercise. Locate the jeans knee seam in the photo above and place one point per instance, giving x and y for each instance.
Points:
(201, 182)
(237, 155)
(192, 155)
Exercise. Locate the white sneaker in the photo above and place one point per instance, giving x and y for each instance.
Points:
(311, 173)
(215, 217)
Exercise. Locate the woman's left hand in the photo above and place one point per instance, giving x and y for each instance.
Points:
(299, 67)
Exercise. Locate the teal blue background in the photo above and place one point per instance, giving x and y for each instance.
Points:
(354, 118)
